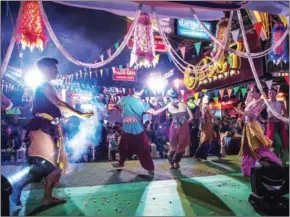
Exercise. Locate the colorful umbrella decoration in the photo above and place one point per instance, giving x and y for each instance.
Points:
(281, 52)
(31, 32)
(143, 52)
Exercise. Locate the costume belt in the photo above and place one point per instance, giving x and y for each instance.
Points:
(61, 156)
(128, 120)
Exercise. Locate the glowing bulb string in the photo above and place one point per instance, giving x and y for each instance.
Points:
(239, 53)
(167, 43)
(12, 42)
(77, 62)
(259, 85)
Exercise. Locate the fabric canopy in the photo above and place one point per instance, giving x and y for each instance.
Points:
(206, 10)
(164, 9)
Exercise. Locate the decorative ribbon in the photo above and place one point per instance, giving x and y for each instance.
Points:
(259, 85)
(77, 62)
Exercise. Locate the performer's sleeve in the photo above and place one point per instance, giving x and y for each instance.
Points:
(120, 103)
(146, 107)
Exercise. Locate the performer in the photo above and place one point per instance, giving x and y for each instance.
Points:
(179, 134)
(276, 130)
(206, 130)
(133, 138)
(254, 144)
(6, 104)
(46, 153)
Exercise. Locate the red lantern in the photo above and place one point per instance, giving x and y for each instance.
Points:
(31, 32)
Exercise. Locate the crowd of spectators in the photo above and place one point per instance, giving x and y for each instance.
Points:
(227, 130)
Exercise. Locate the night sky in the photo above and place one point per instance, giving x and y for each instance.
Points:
(86, 34)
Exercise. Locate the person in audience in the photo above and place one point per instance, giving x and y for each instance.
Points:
(276, 129)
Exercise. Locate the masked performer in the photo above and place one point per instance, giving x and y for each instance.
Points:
(276, 130)
(46, 153)
(206, 130)
(179, 134)
(133, 138)
(254, 144)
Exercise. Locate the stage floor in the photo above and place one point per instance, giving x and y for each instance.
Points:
(96, 189)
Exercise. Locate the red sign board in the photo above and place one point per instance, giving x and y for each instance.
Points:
(158, 43)
(124, 74)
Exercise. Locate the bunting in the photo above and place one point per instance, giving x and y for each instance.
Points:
(235, 34)
(216, 99)
(182, 50)
(230, 90)
(197, 46)
(109, 52)
(156, 59)
(287, 79)
(116, 45)
(216, 93)
(196, 96)
(101, 72)
(169, 57)
(258, 27)
(222, 91)
(244, 92)
(269, 84)
(236, 89)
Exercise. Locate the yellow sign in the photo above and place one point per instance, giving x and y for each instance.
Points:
(226, 65)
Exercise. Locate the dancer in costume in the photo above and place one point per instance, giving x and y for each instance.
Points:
(276, 130)
(254, 144)
(179, 135)
(206, 130)
(46, 153)
(134, 139)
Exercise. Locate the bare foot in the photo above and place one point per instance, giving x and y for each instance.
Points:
(52, 200)
(151, 172)
(195, 158)
(172, 167)
(117, 165)
(176, 166)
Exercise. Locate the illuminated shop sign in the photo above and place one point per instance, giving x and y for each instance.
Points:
(191, 28)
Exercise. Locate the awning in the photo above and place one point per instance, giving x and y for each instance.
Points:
(206, 10)
(163, 9)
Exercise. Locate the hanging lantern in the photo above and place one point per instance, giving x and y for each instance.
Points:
(31, 32)
(281, 52)
(220, 33)
(143, 52)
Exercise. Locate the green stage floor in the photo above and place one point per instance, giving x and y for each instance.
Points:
(198, 189)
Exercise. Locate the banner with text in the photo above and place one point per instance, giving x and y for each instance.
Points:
(124, 74)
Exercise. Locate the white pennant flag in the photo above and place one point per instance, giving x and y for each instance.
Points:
(182, 50)
(235, 34)
(269, 84)
(182, 92)
(278, 88)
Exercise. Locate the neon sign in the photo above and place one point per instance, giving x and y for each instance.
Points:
(227, 65)
(192, 29)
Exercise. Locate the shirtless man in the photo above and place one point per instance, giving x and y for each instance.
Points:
(46, 154)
